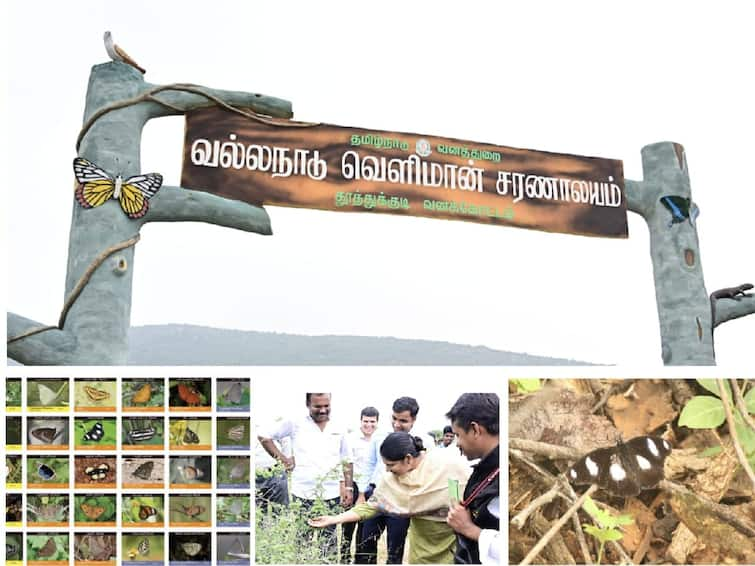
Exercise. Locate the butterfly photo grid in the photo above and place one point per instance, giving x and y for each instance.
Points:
(88, 465)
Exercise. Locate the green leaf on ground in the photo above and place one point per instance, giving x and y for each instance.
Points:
(712, 386)
(702, 412)
(527, 385)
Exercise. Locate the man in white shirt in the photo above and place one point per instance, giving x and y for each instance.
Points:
(360, 443)
(319, 451)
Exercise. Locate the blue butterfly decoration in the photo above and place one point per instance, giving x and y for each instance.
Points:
(681, 209)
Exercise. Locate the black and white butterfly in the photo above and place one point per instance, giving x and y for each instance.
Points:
(624, 469)
(95, 433)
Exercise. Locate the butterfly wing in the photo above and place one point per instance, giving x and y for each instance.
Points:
(678, 207)
(587, 469)
(92, 511)
(95, 433)
(144, 471)
(143, 547)
(648, 453)
(136, 191)
(605, 468)
(618, 476)
(96, 186)
(46, 395)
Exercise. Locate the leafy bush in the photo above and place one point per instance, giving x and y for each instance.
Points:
(705, 411)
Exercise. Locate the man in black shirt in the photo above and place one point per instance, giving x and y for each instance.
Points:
(475, 422)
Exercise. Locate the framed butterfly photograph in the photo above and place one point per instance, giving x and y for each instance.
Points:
(43, 510)
(190, 472)
(143, 549)
(13, 399)
(95, 395)
(233, 395)
(190, 394)
(190, 433)
(95, 433)
(234, 472)
(14, 549)
(233, 549)
(47, 433)
(142, 511)
(143, 395)
(233, 510)
(13, 434)
(14, 509)
(190, 549)
(47, 548)
(143, 472)
(95, 472)
(47, 472)
(47, 395)
(190, 510)
(14, 471)
(142, 433)
(95, 548)
(233, 433)
(94, 510)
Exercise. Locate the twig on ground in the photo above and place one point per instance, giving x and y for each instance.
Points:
(557, 526)
(521, 517)
(644, 545)
(741, 404)
(550, 480)
(545, 476)
(522, 497)
(733, 432)
(581, 539)
(721, 511)
(550, 451)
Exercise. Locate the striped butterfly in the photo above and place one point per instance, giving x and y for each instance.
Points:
(143, 547)
(97, 186)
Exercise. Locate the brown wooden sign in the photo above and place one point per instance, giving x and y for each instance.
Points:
(285, 163)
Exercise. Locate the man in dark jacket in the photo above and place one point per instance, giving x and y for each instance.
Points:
(475, 422)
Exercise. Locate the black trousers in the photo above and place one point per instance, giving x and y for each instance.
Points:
(397, 528)
(272, 489)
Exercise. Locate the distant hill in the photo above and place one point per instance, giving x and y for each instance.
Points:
(178, 344)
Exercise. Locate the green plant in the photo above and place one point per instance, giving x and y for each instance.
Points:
(283, 535)
(705, 411)
(607, 528)
(527, 384)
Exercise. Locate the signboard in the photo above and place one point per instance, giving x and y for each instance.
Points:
(286, 163)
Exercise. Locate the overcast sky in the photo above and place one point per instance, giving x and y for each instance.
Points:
(581, 78)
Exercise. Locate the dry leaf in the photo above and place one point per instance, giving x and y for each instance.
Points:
(642, 409)
(643, 520)
(560, 416)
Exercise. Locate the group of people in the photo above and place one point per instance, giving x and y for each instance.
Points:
(399, 483)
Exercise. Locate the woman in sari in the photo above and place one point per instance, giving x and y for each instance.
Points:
(416, 487)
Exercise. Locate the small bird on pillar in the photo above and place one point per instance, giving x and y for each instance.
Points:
(118, 54)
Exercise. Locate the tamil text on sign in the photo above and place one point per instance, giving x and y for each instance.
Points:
(326, 167)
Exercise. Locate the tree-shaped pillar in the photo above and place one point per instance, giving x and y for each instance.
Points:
(93, 328)
(684, 308)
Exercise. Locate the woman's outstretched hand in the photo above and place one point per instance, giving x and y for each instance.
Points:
(322, 521)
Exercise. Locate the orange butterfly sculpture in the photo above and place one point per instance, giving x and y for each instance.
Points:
(97, 186)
